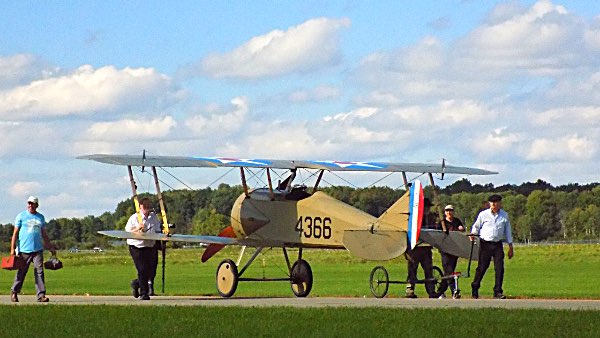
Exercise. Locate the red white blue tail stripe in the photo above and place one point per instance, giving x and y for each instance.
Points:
(416, 213)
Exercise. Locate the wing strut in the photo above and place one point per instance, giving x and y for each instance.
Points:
(165, 229)
(270, 185)
(437, 202)
(135, 196)
(318, 180)
(405, 180)
(244, 182)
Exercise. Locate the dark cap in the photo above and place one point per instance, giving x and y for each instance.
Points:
(495, 198)
(427, 202)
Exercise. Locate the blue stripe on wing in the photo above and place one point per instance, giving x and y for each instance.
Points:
(366, 166)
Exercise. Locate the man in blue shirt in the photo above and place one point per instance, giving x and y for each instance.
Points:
(27, 243)
(493, 227)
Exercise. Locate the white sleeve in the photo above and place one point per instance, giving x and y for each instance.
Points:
(132, 223)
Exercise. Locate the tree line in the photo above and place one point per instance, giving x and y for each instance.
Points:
(538, 211)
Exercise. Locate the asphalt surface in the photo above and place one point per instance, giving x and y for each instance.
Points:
(564, 304)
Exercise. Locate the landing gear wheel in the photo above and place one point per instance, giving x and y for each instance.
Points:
(379, 281)
(301, 278)
(227, 278)
(437, 274)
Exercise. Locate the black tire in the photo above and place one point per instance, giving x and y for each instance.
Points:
(301, 278)
(227, 278)
(379, 281)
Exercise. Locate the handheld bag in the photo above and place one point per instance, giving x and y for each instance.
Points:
(12, 262)
(53, 264)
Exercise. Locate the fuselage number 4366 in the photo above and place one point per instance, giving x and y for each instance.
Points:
(314, 227)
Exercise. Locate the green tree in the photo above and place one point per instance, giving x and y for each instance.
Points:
(208, 222)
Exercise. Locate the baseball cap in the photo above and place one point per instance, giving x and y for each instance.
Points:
(449, 207)
(32, 199)
(495, 198)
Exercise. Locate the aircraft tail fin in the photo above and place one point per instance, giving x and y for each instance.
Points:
(212, 249)
(387, 237)
(407, 212)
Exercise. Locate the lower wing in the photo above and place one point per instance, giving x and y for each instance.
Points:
(176, 237)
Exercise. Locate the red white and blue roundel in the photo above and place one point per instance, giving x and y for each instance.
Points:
(416, 213)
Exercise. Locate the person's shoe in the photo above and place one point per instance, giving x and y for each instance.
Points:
(135, 288)
(13, 297)
(442, 296)
(411, 295)
(499, 296)
(43, 299)
(151, 289)
(475, 294)
(144, 297)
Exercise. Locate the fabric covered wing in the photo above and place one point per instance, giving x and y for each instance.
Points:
(454, 242)
(176, 237)
(192, 161)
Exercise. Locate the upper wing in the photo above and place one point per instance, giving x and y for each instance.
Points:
(191, 161)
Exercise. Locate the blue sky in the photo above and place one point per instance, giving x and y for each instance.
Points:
(507, 86)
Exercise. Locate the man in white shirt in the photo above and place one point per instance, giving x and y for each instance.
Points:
(143, 252)
(493, 227)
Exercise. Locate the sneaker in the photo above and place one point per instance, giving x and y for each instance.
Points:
(442, 296)
(43, 299)
(135, 288)
(13, 297)
(144, 297)
(475, 294)
(499, 296)
(411, 295)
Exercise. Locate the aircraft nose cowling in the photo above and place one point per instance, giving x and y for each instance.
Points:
(246, 217)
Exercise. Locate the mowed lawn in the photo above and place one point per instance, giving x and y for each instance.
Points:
(542, 271)
(173, 321)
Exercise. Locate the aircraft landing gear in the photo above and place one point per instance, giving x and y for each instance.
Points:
(227, 278)
(301, 278)
(300, 275)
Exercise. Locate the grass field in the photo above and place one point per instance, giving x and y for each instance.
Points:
(142, 321)
(555, 271)
(551, 271)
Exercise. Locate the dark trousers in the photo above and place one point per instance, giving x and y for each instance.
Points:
(449, 266)
(423, 256)
(143, 259)
(37, 258)
(487, 252)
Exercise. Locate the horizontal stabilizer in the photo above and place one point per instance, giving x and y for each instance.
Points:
(454, 242)
(375, 245)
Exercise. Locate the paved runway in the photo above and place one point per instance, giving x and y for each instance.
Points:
(403, 303)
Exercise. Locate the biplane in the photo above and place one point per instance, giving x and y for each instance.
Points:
(290, 216)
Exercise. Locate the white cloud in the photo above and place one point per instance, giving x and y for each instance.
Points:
(86, 91)
(24, 189)
(130, 129)
(303, 48)
(565, 148)
(561, 118)
(22, 68)
(316, 94)
(543, 39)
(219, 123)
